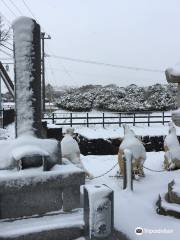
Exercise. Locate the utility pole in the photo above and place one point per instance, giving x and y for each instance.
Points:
(43, 37)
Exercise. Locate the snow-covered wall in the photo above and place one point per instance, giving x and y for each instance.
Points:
(27, 75)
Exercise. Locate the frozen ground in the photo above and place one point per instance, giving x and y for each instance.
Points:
(137, 209)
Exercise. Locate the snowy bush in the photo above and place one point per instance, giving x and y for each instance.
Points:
(114, 98)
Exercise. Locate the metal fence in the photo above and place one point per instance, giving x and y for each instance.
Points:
(87, 119)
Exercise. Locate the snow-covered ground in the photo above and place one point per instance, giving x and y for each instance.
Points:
(137, 208)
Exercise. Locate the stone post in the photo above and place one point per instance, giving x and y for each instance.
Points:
(98, 212)
(27, 52)
(174, 77)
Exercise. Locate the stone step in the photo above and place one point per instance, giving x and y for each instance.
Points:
(167, 208)
(54, 226)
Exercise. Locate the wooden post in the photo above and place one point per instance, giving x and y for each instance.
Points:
(103, 120)
(87, 119)
(119, 119)
(71, 119)
(134, 120)
(163, 117)
(148, 119)
(53, 118)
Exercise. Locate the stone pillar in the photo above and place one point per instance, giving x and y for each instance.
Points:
(174, 77)
(27, 52)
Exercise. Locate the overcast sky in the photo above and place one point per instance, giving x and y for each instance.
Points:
(137, 33)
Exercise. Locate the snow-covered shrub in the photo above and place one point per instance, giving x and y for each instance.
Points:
(126, 99)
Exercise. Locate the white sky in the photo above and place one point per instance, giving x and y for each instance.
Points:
(139, 33)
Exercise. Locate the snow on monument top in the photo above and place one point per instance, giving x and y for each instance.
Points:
(173, 75)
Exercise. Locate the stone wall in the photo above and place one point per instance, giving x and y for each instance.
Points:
(111, 146)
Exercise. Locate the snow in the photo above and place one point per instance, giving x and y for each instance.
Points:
(32, 225)
(137, 208)
(34, 175)
(25, 144)
(118, 132)
(23, 37)
(25, 151)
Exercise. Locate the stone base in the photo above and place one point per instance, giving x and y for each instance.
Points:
(58, 226)
(172, 196)
(167, 209)
(34, 192)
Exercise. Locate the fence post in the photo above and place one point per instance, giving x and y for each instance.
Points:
(163, 117)
(87, 118)
(71, 119)
(148, 119)
(134, 119)
(119, 119)
(103, 120)
(53, 118)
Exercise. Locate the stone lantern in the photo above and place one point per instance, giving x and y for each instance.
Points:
(173, 76)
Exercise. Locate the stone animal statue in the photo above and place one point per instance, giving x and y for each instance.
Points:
(70, 148)
(171, 149)
(134, 145)
(71, 152)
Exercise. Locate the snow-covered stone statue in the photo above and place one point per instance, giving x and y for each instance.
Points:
(172, 150)
(70, 148)
(173, 76)
(135, 146)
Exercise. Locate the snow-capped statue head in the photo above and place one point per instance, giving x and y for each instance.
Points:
(69, 131)
(172, 128)
(128, 130)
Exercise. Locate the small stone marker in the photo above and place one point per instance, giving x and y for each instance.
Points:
(98, 212)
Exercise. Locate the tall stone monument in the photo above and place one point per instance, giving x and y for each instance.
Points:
(27, 52)
(35, 187)
(173, 76)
